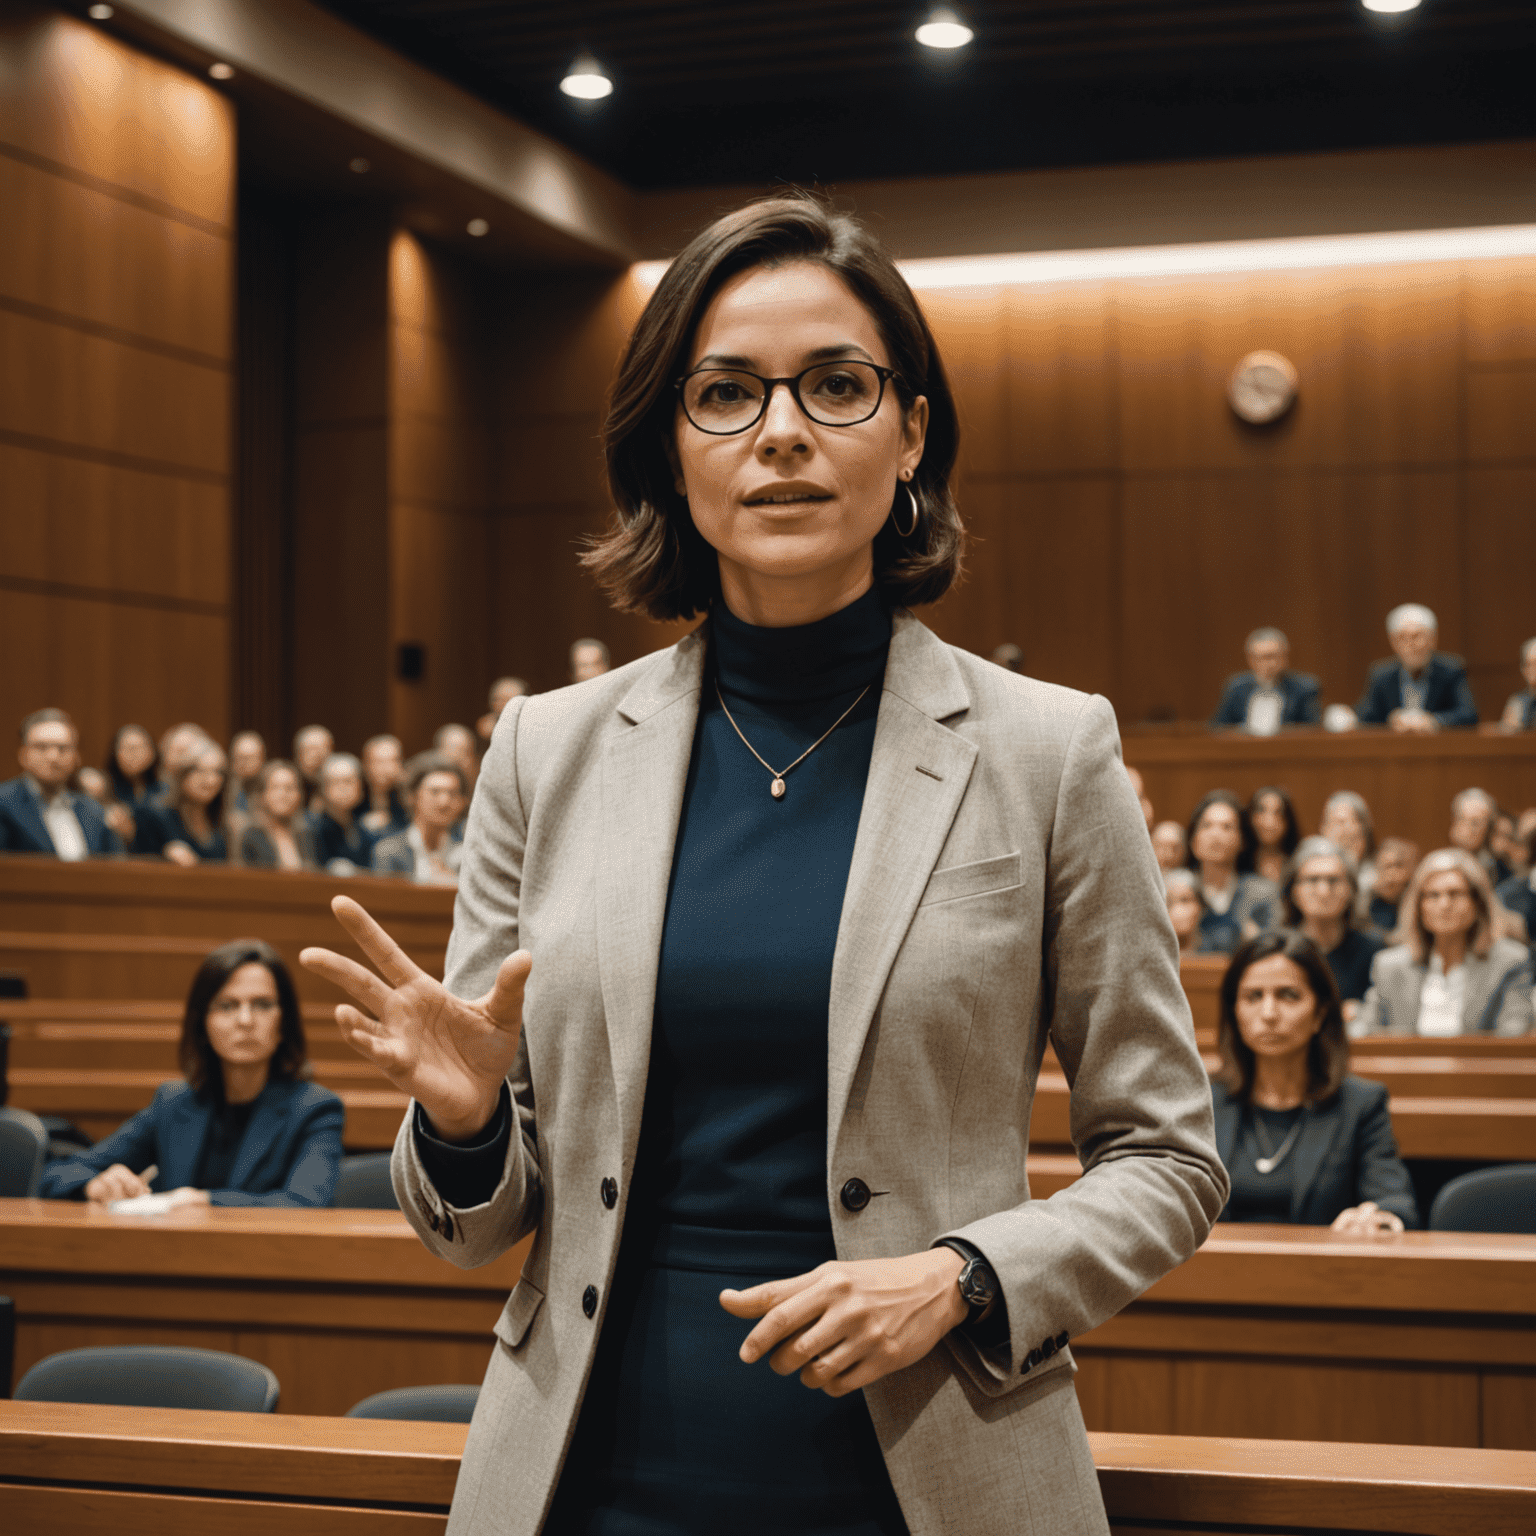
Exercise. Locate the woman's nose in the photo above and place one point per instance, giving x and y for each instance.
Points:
(783, 427)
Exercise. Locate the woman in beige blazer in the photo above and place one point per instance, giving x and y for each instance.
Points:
(758, 946)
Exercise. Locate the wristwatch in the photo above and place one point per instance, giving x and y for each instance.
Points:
(976, 1280)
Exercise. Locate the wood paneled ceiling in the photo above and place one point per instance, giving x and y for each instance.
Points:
(753, 91)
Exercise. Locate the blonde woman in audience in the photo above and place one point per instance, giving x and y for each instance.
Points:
(1347, 821)
(1396, 860)
(383, 771)
(188, 826)
(1238, 903)
(1303, 1141)
(312, 744)
(1448, 972)
(1276, 831)
(1169, 845)
(342, 844)
(179, 746)
(278, 836)
(1321, 894)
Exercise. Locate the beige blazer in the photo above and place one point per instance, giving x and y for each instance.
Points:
(1003, 888)
(1497, 999)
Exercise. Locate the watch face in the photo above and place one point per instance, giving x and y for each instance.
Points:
(977, 1284)
(1262, 387)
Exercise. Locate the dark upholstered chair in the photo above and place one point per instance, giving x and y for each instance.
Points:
(364, 1184)
(440, 1405)
(1489, 1200)
(152, 1376)
(23, 1151)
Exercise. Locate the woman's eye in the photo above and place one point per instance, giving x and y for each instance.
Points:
(840, 386)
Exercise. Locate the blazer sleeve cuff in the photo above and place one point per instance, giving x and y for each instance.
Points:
(465, 1174)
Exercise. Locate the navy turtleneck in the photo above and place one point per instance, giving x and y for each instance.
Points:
(735, 1122)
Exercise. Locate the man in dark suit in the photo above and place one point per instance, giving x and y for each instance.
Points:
(1268, 695)
(1421, 689)
(38, 814)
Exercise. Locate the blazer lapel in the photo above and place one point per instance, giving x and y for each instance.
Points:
(182, 1144)
(265, 1126)
(918, 772)
(1319, 1125)
(31, 816)
(644, 773)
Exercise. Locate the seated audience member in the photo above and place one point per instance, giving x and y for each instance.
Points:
(94, 784)
(427, 852)
(1140, 786)
(458, 744)
(503, 691)
(1186, 908)
(278, 836)
(383, 771)
(1517, 895)
(589, 658)
(1420, 689)
(1396, 860)
(1238, 903)
(1448, 971)
(1268, 695)
(1346, 820)
(342, 844)
(178, 747)
(247, 757)
(312, 744)
(1320, 895)
(1276, 831)
(188, 827)
(243, 1127)
(1009, 657)
(1303, 1140)
(133, 766)
(1169, 846)
(39, 813)
(1473, 812)
(1520, 711)
(1506, 844)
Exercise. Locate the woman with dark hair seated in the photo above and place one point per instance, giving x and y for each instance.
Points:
(244, 1128)
(1321, 894)
(1303, 1141)
(1238, 903)
(133, 765)
(1276, 831)
(279, 835)
(188, 828)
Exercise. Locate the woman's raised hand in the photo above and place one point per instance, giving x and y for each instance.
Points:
(449, 1055)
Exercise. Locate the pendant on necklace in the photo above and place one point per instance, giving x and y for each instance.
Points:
(776, 789)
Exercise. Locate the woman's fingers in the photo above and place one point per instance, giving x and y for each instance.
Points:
(394, 964)
(503, 1004)
(352, 978)
(367, 1038)
(785, 1307)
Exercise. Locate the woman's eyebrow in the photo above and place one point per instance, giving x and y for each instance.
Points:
(818, 355)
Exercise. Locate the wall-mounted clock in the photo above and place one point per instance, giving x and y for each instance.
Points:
(1262, 388)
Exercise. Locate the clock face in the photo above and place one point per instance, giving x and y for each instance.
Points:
(1262, 387)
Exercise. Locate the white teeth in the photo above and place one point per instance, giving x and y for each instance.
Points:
(774, 501)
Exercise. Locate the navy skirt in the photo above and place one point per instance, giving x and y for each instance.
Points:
(677, 1436)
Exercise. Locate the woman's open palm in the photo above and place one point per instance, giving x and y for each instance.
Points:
(449, 1055)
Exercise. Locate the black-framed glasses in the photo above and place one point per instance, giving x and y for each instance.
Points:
(723, 401)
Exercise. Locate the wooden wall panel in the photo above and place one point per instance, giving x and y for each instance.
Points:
(1499, 304)
(1501, 406)
(1501, 586)
(116, 175)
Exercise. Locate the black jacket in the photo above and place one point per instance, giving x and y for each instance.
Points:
(1345, 1154)
(1447, 694)
(23, 830)
(1299, 690)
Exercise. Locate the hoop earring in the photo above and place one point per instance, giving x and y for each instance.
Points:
(907, 533)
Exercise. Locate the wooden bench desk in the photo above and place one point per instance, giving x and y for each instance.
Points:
(172, 1472)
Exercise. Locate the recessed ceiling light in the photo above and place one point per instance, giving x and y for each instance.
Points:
(221, 71)
(100, 13)
(586, 79)
(943, 29)
(1390, 7)
(358, 164)
(478, 227)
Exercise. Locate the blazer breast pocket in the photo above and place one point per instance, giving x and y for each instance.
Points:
(512, 1326)
(978, 879)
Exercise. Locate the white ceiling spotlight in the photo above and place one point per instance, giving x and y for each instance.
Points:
(586, 79)
(221, 71)
(943, 29)
(1390, 7)
(100, 13)
(478, 227)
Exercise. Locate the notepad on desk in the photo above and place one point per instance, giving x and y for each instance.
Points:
(143, 1205)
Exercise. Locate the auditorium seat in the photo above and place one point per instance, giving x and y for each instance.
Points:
(23, 1151)
(1488, 1200)
(152, 1376)
(364, 1184)
(438, 1405)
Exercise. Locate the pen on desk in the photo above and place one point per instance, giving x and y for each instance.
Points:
(150, 1174)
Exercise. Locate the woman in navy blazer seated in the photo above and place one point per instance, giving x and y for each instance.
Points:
(1303, 1141)
(244, 1127)
(188, 828)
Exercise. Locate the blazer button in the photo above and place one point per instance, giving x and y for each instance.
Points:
(1062, 1341)
(855, 1195)
(589, 1300)
(610, 1193)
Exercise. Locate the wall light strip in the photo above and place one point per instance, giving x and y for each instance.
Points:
(1417, 245)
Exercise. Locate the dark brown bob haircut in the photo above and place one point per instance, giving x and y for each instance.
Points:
(1328, 1050)
(200, 1063)
(653, 560)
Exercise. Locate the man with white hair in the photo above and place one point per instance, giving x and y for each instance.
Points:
(1520, 711)
(1268, 695)
(1420, 689)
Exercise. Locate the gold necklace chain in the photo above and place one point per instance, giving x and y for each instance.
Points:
(776, 789)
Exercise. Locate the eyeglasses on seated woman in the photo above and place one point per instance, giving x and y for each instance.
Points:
(243, 1126)
(1303, 1141)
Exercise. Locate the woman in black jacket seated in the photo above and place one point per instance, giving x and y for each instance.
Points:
(1303, 1141)
(1321, 892)
(189, 828)
(244, 1127)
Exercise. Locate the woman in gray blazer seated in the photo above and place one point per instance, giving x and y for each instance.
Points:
(278, 836)
(1448, 972)
(1303, 1141)
(758, 943)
